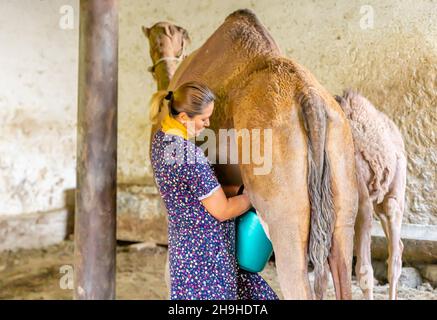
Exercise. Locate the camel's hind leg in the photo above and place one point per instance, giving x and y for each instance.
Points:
(281, 199)
(289, 236)
(391, 220)
(340, 261)
(340, 151)
(392, 230)
(363, 230)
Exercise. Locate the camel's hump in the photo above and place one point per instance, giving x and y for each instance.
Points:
(242, 13)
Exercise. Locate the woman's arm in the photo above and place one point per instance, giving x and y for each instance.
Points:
(223, 208)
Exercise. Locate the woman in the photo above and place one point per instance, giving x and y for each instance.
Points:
(201, 224)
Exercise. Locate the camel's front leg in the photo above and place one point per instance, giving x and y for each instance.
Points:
(283, 205)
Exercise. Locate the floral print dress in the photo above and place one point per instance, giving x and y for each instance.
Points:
(201, 248)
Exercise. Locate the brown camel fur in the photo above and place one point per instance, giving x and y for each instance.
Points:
(381, 167)
(307, 201)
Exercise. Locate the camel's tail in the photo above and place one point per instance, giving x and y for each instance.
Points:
(319, 188)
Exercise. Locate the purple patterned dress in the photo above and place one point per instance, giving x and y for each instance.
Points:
(201, 249)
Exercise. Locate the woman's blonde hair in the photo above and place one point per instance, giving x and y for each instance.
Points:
(190, 97)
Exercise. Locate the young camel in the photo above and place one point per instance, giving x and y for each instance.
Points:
(307, 201)
(381, 167)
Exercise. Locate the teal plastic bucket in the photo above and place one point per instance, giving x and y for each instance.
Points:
(253, 248)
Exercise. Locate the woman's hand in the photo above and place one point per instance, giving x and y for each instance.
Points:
(245, 198)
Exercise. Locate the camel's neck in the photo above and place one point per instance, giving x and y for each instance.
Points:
(164, 72)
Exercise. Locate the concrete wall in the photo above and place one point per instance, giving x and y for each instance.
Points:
(393, 62)
(38, 89)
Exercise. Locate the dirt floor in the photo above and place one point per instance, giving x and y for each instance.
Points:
(36, 274)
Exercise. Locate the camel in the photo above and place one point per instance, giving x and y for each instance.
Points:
(308, 201)
(168, 43)
(381, 168)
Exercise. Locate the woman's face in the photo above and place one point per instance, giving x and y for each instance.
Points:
(200, 121)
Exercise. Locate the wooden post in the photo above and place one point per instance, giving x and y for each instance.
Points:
(95, 219)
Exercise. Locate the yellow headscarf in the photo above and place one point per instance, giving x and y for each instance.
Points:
(170, 125)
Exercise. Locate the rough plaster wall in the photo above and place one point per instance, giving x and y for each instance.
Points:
(38, 75)
(393, 64)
